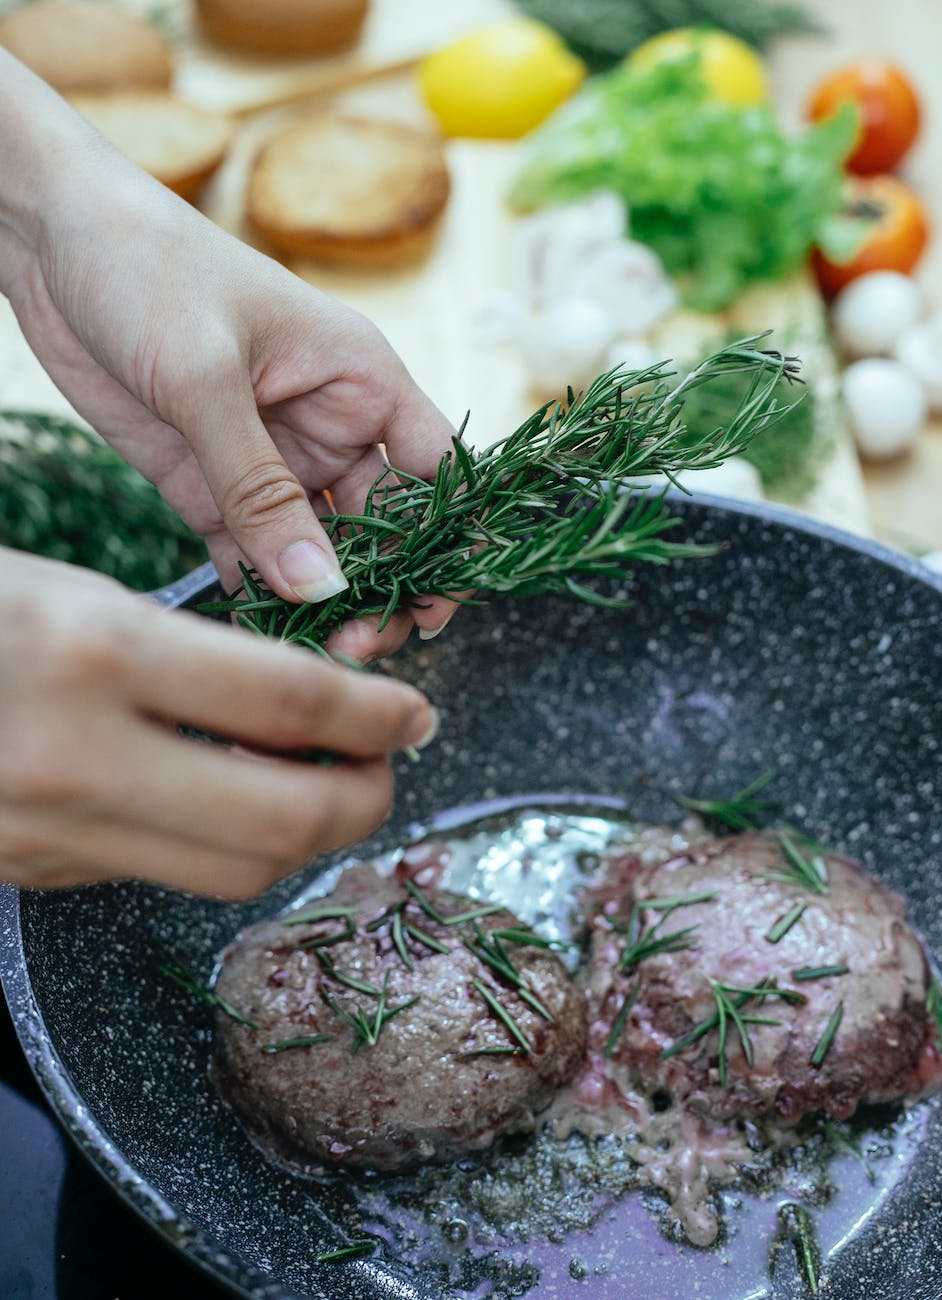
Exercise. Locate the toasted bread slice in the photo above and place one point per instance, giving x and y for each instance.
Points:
(78, 46)
(348, 191)
(179, 144)
(282, 27)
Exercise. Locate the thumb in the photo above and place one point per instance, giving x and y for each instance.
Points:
(264, 508)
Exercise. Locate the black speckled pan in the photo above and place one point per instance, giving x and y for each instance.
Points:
(796, 648)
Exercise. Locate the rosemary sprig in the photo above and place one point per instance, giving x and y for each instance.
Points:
(618, 1025)
(367, 1029)
(344, 977)
(785, 923)
(795, 1225)
(544, 510)
(502, 1014)
(353, 1251)
(738, 812)
(827, 1038)
(179, 973)
(490, 950)
(460, 918)
(650, 944)
(818, 972)
(729, 1001)
(800, 868)
(307, 1040)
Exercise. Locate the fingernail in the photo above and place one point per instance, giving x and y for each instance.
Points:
(431, 730)
(311, 573)
(428, 634)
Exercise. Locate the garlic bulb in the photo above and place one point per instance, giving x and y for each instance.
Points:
(872, 311)
(886, 404)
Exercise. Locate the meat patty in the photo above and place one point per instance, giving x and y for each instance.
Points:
(433, 1036)
(837, 1040)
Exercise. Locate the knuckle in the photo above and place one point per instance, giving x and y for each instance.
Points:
(260, 492)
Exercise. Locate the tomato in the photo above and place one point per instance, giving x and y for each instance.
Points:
(896, 232)
(888, 107)
(731, 69)
(499, 81)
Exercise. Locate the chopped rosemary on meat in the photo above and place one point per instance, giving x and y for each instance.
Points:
(353, 1251)
(669, 902)
(647, 943)
(490, 950)
(729, 1002)
(367, 1029)
(818, 972)
(495, 1051)
(618, 1025)
(461, 918)
(307, 1040)
(541, 511)
(427, 940)
(176, 971)
(528, 938)
(785, 923)
(399, 940)
(501, 1012)
(801, 868)
(795, 1225)
(343, 977)
(827, 1038)
(739, 812)
(307, 915)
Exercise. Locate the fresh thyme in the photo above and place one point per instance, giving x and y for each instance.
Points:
(800, 868)
(827, 1038)
(306, 1040)
(739, 812)
(818, 972)
(502, 1014)
(795, 1226)
(785, 923)
(353, 1251)
(618, 1025)
(176, 971)
(544, 510)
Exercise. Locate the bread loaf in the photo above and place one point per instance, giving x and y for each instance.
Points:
(282, 27)
(179, 144)
(348, 191)
(78, 46)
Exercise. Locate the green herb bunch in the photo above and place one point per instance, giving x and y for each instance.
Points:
(66, 495)
(550, 507)
(604, 31)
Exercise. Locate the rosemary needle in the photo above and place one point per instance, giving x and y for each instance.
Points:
(307, 1040)
(353, 1251)
(618, 1026)
(827, 1038)
(785, 923)
(503, 1014)
(545, 510)
(738, 812)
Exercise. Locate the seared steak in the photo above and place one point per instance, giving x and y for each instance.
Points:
(859, 1036)
(417, 1062)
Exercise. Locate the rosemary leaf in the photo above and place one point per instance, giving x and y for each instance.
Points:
(504, 1015)
(827, 1038)
(420, 936)
(305, 916)
(785, 923)
(399, 941)
(795, 1226)
(309, 1040)
(176, 971)
(353, 1251)
(618, 1025)
(818, 972)
(545, 510)
(738, 812)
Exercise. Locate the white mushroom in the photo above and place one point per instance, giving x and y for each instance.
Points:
(919, 349)
(871, 312)
(886, 404)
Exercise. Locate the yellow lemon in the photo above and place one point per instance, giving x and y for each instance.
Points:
(499, 81)
(731, 69)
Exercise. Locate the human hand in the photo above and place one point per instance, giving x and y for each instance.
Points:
(241, 391)
(96, 784)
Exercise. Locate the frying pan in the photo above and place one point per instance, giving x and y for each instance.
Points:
(796, 648)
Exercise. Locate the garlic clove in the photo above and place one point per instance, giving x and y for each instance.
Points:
(872, 311)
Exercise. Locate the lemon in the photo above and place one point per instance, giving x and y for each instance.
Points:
(499, 81)
(731, 69)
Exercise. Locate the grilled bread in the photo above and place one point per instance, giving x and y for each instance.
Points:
(348, 191)
(78, 47)
(179, 144)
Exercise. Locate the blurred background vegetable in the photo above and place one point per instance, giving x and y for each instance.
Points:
(731, 70)
(891, 226)
(66, 495)
(603, 31)
(888, 107)
(499, 81)
(721, 194)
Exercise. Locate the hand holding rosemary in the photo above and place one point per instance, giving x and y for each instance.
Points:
(552, 506)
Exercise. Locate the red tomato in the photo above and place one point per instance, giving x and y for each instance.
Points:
(896, 232)
(888, 107)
